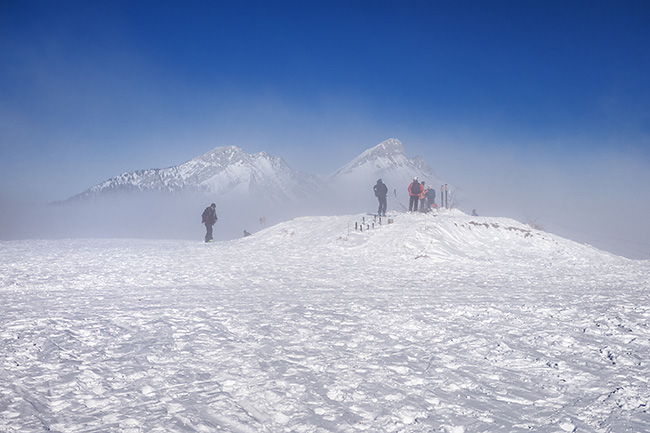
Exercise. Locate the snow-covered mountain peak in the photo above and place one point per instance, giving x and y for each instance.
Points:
(223, 155)
(228, 155)
(392, 146)
(386, 161)
(384, 155)
(220, 172)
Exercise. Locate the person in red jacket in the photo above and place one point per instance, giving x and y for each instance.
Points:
(414, 192)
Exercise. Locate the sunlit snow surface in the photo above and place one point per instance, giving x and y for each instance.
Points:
(444, 323)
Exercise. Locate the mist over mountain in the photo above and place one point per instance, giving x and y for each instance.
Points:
(223, 172)
(228, 172)
(386, 161)
(251, 191)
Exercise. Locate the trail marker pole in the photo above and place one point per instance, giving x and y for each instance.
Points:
(446, 197)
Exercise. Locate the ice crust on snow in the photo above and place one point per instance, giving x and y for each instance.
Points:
(434, 323)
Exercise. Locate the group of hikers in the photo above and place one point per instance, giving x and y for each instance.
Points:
(419, 194)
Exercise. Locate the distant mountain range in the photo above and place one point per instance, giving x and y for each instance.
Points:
(226, 172)
(221, 172)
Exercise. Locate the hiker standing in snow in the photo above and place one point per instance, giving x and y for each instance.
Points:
(431, 198)
(423, 193)
(209, 218)
(381, 190)
(414, 193)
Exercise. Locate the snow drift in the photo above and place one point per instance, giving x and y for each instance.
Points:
(441, 322)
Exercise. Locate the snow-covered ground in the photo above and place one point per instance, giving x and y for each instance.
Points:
(444, 323)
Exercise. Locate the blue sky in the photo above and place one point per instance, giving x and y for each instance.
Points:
(520, 104)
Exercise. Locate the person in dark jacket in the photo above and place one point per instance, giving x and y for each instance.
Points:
(431, 198)
(381, 190)
(414, 193)
(209, 218)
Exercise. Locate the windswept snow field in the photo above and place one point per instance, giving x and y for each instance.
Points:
(444, 323)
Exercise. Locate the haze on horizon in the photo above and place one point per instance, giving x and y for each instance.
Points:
(535, 111)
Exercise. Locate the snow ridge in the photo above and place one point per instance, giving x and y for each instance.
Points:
(439, 236)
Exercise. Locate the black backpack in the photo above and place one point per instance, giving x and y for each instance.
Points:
(381, 190)
(415, 189)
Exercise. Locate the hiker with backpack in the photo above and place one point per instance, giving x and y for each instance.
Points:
(209, 218)
(414, 193)
(381, 190)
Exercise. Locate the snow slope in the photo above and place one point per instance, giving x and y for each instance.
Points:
(433, 323)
